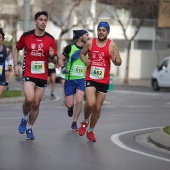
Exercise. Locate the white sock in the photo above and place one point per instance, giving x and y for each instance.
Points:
(29, 126)
(25, 117)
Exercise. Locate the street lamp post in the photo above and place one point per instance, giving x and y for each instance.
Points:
(26, 15)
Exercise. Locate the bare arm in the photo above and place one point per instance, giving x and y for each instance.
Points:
(55, 59)
(15, 61)
(114, 54)
(61, 60)
(61, 63)
(84, 52)
(52, 56)
(8, 51)
(9, 59)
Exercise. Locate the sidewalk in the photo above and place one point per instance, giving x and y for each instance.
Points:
(133, 82)
(17, 85)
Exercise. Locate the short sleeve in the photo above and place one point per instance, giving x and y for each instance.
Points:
(21, 43)
(66, 51)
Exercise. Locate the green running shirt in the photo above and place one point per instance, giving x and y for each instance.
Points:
(76, 68)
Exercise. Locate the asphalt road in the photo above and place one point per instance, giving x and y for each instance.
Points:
(129, 114)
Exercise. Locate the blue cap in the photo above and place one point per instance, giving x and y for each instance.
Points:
(78, 33)
(105, 25)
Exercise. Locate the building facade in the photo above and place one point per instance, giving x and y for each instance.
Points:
(150, 45)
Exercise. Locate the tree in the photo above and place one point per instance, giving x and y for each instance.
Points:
(9, 17)
(65, 14)
(68, 14)
(138, 9)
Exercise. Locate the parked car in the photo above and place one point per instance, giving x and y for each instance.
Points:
(161, 75)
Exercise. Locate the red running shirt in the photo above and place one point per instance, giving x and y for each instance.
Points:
(37, 51)
(99, 68)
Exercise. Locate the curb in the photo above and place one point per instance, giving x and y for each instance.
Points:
(6, 100)
(160, 139)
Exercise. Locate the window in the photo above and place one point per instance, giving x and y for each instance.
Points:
(164, 65)
(143, 44)
(121, 44)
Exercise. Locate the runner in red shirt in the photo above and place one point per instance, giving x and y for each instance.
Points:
(101, 52)
(38, 46)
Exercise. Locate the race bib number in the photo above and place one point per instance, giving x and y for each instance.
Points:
(1, 68)
(97, 72)
(6, 67)
(37, 67)
(51, 65)
(78, 70)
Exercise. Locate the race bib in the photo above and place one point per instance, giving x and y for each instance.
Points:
(51, 65)
(37, 67)
(6, 67)
(1, 68)
(78, 70)
(97, 72)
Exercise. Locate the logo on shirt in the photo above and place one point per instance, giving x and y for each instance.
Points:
(98, 59)
(33, 46)
(39, 52)
(93, 55)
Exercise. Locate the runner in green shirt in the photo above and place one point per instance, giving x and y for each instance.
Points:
(75, 71)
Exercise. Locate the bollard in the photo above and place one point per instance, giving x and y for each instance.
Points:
(111, 82)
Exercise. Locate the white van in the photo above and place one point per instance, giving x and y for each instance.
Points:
(161, 75)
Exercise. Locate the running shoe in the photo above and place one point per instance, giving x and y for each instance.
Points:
(82, 129)
(90, 136)
(30, 134)
(70, 112)
(74, 126)
(22, 126)
(53, 96)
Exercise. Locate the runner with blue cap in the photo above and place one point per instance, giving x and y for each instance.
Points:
(101, 51)
(105, 25)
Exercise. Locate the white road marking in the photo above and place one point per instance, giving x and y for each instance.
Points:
(116, 140)
(49, 101)
(136, 92)
(139, 106)
(166, 106)
(110, 106)
(60, 107)
(10, 118)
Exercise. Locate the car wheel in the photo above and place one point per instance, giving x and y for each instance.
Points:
(155, 85)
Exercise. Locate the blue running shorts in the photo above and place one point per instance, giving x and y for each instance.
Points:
(70, 86)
